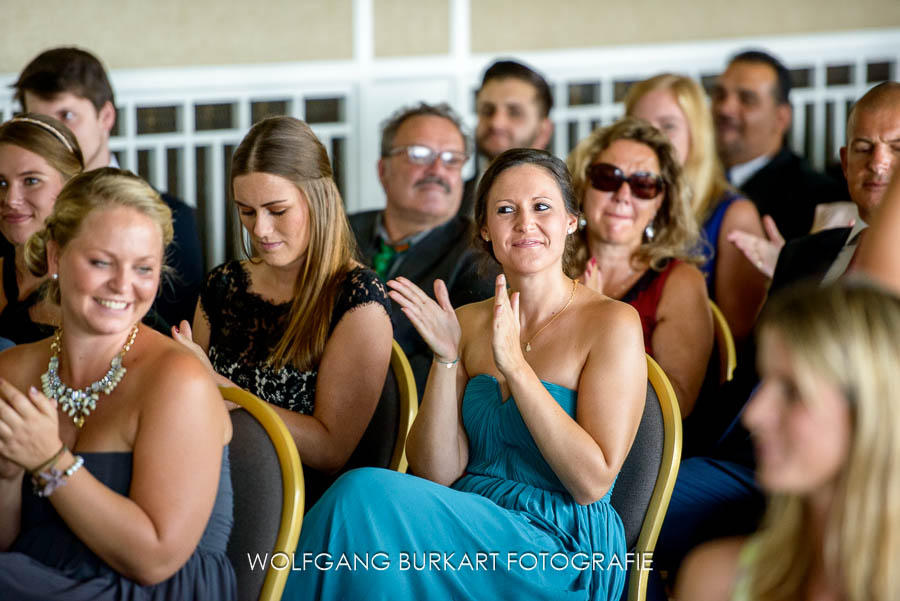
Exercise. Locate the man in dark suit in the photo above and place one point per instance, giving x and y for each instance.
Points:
(717, 496)
(869, 159)
(752, 113)
(513, 108)
(71, 85)
(419, 234)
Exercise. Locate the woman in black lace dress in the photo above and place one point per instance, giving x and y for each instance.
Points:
(300, 323)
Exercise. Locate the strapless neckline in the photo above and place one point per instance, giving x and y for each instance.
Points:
(550, 386)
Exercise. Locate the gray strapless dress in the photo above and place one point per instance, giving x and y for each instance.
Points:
(48, 562)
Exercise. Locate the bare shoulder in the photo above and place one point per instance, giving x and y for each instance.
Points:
(613, 320)
(709, 572)
(475, 314)
(605, 309)
(22, 364)
(742, 214)
(685, 275)
(168, 370)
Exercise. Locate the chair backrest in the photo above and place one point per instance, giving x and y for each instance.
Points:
(645, 482)
(725, 347)
(268, 496)
(409, 405)
(384, 441)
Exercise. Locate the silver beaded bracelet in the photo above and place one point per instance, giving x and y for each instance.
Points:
(49, 480)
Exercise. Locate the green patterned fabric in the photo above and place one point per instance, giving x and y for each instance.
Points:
(385, 257)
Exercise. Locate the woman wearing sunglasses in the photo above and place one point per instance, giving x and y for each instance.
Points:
(637, 244)
(678, 107)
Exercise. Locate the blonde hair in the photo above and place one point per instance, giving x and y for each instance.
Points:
(844, 333)
(702, 168)
(47, 138)
(288, 148)
(675, 227)
(91, 191)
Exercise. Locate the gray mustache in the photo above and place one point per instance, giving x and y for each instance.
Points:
(433, 179)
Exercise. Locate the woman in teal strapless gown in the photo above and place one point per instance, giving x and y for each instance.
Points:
(531, 406)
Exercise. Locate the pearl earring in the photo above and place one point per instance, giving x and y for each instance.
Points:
(54, 276)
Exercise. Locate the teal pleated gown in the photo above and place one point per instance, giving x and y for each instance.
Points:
(378, 534)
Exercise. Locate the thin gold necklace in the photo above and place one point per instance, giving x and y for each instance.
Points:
(552, 319)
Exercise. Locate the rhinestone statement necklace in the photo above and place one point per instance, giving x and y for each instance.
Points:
(78, 404)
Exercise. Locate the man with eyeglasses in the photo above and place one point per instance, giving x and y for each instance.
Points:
(419, 234)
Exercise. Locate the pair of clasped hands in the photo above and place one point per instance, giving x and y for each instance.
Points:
(29, 429)
(439, 327)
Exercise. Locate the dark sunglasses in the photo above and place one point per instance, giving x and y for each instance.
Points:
(609, 178)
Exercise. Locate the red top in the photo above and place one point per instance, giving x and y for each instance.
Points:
(644, 296)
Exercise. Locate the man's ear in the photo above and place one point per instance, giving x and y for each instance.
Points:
(107, 116)
(843, 153)
(545, 132)
(382, 168)
(784, 114)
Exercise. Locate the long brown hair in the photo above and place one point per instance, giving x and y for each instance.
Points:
(288, 148)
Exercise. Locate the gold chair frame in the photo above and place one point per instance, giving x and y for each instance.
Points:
(409, 405)
(292, 485)
(665, 479)
(724, 344)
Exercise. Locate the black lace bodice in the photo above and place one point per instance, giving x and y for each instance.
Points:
(245, 327)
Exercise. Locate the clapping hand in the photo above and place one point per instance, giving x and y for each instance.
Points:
(506, 339)
(435, 321)
(29, 429)
(762, 252)
(592, 276)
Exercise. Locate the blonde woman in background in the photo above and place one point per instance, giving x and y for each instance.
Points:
(678, 107)
(129, 494)
(637, 245)
(826, 426)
